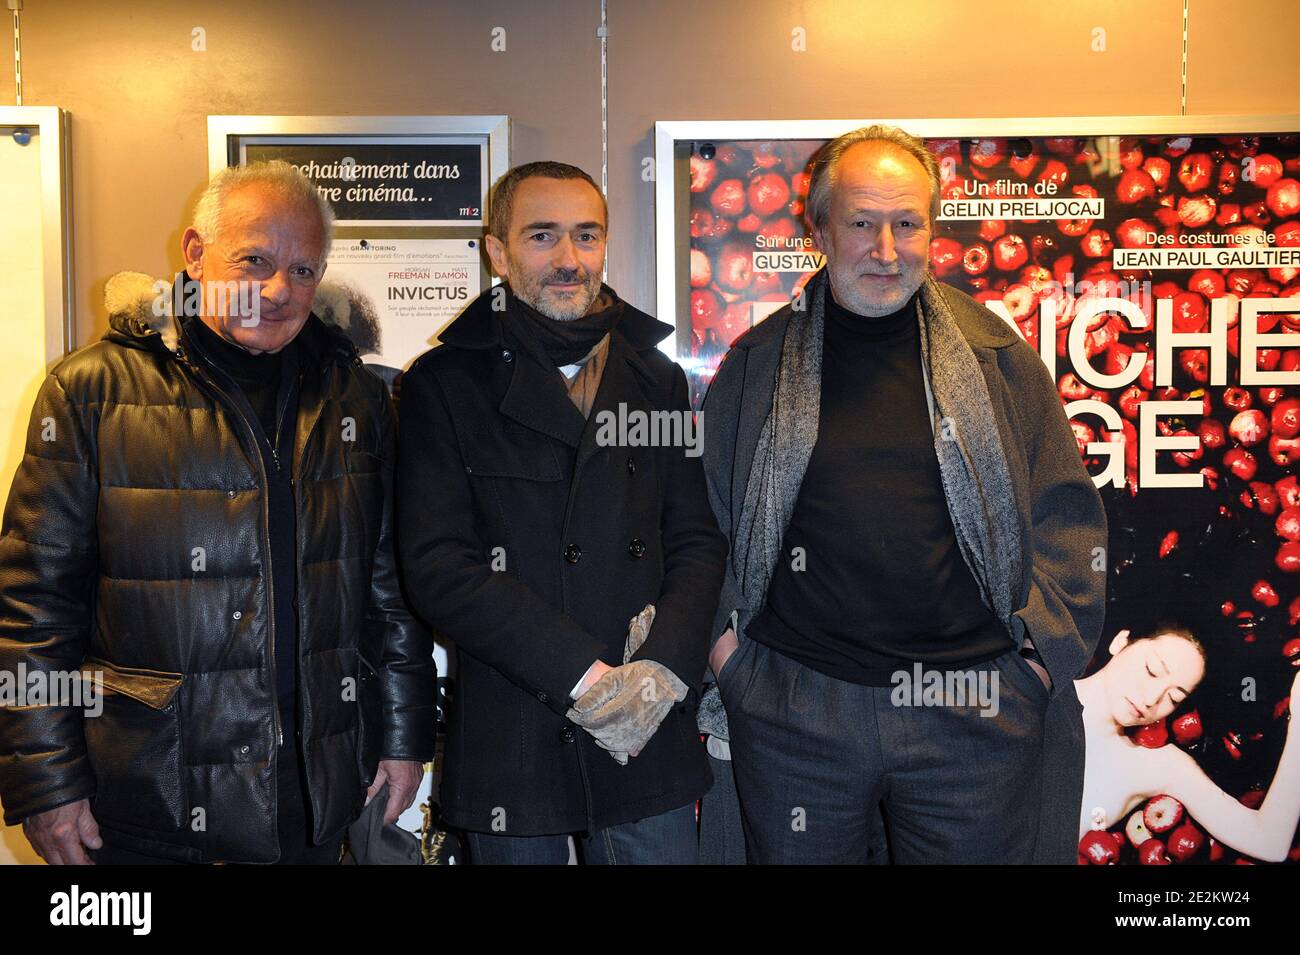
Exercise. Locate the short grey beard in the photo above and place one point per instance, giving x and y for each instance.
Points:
(881, 310)
(541, 306)
(557, 317)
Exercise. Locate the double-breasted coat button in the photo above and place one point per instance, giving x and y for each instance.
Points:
(543, 698)
(238, 614)
(243, 750)
(507, 356)
(636, 548)
(567, 735)
(631, 466)
(573, 553)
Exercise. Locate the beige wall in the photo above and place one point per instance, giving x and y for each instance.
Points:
(139, 96)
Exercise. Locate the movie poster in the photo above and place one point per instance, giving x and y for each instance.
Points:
(1152, 274)
(393, 296)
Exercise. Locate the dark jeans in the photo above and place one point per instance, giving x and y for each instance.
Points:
(666, 839)
(293, 823)
(817, 759)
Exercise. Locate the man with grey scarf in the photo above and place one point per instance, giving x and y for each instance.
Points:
(917, 564)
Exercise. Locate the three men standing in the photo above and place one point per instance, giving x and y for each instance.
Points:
(903, 494)
(213, 528)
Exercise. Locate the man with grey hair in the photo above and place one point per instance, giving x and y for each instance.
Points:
(913, 582)
(203, 521)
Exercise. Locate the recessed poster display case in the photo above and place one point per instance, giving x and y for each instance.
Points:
(409, 195)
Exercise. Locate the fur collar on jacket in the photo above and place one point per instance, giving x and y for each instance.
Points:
(139, 308)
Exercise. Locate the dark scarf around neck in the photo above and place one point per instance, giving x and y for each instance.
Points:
(565, 343)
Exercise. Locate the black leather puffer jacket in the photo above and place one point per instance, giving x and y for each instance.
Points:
(134, 461)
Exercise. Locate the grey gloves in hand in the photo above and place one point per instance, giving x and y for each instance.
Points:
(638, 628)
(624, 707)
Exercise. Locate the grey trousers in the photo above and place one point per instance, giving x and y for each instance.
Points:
(818, 761)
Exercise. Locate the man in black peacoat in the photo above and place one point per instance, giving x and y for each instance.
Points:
(531, 534)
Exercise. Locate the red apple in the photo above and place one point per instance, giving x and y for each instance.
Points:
(705, 308)
(1187, 727)
(1284, 198)
(1194, 171)
(735, 268)
(1152, 735)
(1288, 491)
(1263, 496)
(1185, 842)
(945, 255)
(1264, 593)
(1168, 544)
(1099, 847)
(1249, 427)
(1287, 524)
(1291, 650)
(1153, 853)
(1283, 451)
(728, 199)
(1158, 169)
(703, 173)
(1286, 418)
(701, 269)
(1134, 186)
(1241, 463)
(768, 192)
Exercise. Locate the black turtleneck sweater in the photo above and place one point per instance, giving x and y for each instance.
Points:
(264, 389)
(258, 376)
(879, 583)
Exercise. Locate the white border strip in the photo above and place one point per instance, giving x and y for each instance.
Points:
(51, 126)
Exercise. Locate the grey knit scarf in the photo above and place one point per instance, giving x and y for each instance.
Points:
(972, 464)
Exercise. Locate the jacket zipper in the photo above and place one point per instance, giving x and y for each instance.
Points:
(279, 427)
(266, 538)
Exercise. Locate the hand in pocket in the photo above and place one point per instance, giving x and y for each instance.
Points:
(727, 644)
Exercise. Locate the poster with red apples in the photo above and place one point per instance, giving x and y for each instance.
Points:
(1152, 271)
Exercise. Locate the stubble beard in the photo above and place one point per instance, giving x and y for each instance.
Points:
(855, 299)
(532, 290)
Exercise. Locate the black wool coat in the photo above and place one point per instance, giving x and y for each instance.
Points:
(529, 545)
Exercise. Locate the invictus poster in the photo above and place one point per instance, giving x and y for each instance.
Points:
(393, 296)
